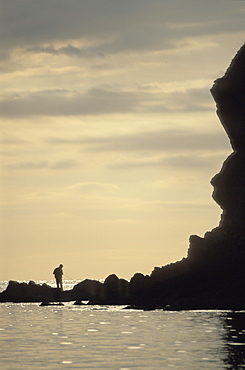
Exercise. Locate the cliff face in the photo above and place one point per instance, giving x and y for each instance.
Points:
(229, 95)
(229, 184)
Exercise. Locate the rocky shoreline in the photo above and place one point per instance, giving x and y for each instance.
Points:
(212, 276)
(200, 281)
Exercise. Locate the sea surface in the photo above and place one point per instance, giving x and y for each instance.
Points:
(111, 337)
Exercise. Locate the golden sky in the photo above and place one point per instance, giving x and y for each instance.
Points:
(109, 136)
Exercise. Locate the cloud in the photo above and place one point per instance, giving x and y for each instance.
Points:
(8, 139)
(192, 204)
(65, 103)
(182, 100)
(92, 194)
(115, 25)
(167, 140)
(96, 101)
(68, 50)
(43, 165)
(194, 161)
(64, 165)
(87, 187)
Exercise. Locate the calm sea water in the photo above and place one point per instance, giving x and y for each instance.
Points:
(103, 337)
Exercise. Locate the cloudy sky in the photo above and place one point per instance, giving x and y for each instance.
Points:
(109, 136)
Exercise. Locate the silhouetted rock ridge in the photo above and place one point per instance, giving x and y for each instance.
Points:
(229, 184)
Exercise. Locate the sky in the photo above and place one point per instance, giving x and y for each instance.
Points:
(109, 134)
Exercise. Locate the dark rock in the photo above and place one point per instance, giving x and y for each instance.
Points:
(229, 184)
(229, 94)
(229, 193)
(139, 289)
(198, 249)
(45, 303)
(88, 290)
(32, 292)
(116, 291)
(27, 292)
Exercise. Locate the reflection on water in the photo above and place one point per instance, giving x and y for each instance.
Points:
(103, 337)
(234, 336)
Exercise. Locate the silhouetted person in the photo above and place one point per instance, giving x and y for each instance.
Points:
(58, 272)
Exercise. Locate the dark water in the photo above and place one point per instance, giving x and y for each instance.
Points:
(100, 337)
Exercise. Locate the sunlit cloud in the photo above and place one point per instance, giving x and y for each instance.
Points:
(102, 101)
(179, 162)
(91, 187)
(37, 165)
(167, 140)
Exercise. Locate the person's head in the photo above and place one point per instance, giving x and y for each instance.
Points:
(60, 266)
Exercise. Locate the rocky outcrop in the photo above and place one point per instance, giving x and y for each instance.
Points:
(229, 95)
(28, 292)
(212, 276)
(229, 184)
(113, 291)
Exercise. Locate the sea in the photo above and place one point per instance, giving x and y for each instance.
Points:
(112, 337)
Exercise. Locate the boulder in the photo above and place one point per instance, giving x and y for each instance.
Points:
(28, 292)
(88, 290)
(116, 291)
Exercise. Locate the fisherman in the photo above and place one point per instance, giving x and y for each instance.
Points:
(58, 272)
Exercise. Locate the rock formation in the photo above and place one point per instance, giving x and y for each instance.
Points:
(113, 291)
(229, 184)
(212, 276)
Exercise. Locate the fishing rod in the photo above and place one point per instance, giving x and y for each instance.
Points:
(69, 277)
